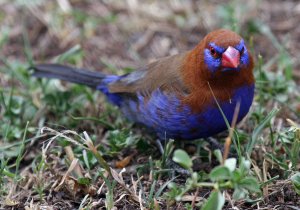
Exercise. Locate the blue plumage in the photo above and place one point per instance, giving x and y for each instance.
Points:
(168, 118)
(115, 99)
(213, 63)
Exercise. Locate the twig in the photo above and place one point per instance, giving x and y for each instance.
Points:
(228, 139)
(71, 157)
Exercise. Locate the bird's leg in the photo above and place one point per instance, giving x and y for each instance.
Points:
(169, 162)
(214, 144)
(159, 146)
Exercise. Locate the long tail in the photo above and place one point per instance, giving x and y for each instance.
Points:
(67, 73)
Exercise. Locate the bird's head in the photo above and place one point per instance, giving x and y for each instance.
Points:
(222, 59)
(225, 51)
(220, 63)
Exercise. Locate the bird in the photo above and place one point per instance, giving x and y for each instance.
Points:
(185, 96)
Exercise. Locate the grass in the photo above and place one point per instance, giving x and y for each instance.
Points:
(62, 144)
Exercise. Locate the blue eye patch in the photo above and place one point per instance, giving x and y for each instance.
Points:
(217, 48)
(240, 46)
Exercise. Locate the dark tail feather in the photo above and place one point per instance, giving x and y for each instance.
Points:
(67, 73)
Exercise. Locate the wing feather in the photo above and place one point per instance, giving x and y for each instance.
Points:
(164, 74)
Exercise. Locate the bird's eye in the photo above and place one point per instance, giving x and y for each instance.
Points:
(242, 51)
(213, 52)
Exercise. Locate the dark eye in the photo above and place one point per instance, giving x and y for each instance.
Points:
(242, 51)
(213, 52)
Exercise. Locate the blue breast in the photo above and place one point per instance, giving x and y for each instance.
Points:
(166, 116)
(169, 119)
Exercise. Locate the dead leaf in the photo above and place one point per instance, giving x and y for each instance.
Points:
(190, 198)
(123, 163)
(10, 202)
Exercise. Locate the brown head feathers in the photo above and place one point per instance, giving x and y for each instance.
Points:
(199, 79)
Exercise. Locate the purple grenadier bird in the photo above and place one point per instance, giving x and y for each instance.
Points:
(174, 96)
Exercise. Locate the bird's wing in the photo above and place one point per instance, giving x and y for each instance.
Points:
(164, 74)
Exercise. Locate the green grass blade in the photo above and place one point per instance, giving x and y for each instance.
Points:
(21, 150)
(258, 130)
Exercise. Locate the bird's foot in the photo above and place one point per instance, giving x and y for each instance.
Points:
(169, 163)
(214, 144)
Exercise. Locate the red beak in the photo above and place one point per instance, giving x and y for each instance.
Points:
(230, 58)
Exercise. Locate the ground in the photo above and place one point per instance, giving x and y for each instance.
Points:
(48, 162)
